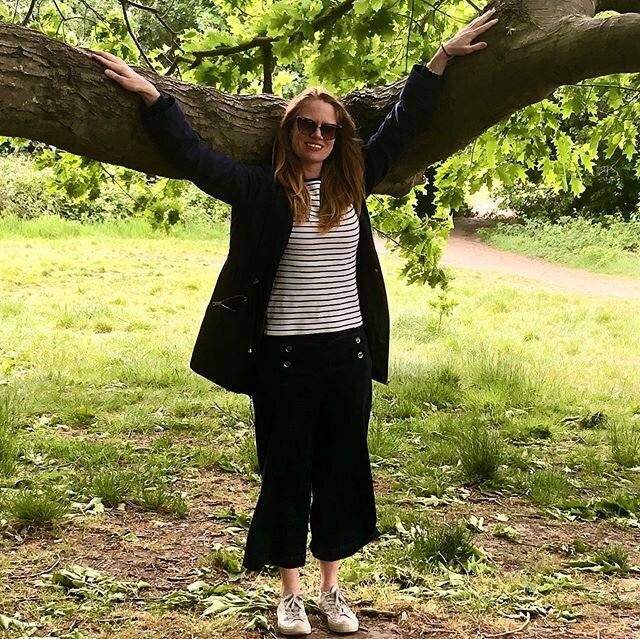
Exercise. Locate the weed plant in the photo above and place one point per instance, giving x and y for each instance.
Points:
(161, 500)
(247, 454)
(112, 486)
(37, 509)
(624, 440)
(481, 450)
(614, 555)
(548, 487)
(448, 544)
(227, 559)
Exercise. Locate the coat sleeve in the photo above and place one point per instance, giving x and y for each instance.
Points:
(409, 116)
(215, 173)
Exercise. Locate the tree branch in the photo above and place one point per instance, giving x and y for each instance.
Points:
(57, 94)
(123, 4)
(320, 22)
(29, 12)
(156, 13)
(267, 69)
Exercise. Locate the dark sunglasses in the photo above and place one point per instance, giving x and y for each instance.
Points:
(308, 127)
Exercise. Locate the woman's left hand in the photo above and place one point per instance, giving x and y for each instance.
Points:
(461, 45)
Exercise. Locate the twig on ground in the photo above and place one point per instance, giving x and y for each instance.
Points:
(44, 572)
(374, 612)
(509, 632)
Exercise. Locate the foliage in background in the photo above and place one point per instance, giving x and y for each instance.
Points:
(73, 188)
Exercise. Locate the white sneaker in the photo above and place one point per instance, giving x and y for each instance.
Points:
(339, 616)
(292, 619)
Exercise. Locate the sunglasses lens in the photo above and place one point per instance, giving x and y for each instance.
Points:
(328, 131)
(306, 126)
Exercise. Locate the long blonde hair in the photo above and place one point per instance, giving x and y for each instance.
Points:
(342, 172)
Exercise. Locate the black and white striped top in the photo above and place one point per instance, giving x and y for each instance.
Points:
(315, 286)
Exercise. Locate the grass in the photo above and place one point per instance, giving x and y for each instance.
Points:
(624, 438)
(548, 487)
(8, 435)
(481, 451)
(37, 509)
(518, 398)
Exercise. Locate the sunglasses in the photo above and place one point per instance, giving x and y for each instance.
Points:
(309, 127)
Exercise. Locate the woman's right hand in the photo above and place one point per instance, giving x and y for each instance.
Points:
(119, 71)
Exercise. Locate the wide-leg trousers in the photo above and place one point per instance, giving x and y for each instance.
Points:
(311, 407)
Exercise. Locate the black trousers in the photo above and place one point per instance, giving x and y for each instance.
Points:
(312, 404)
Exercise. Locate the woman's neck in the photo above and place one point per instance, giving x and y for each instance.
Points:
(312, 171)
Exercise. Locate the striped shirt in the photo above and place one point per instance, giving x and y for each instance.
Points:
(315, 287)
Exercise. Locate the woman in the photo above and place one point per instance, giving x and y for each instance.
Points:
(299, 319)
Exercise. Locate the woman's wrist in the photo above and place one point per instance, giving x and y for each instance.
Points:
(150, 95)
(438, 63)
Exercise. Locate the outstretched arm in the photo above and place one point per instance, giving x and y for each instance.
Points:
(215, 173)
(418, 100)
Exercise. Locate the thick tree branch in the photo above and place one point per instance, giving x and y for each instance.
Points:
(56, 94)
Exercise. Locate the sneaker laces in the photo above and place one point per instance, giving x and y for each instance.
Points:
(337, 602)
(293, 607)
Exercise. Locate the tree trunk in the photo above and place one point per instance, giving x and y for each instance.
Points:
(57, 94)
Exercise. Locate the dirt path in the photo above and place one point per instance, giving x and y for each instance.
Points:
(465, 250)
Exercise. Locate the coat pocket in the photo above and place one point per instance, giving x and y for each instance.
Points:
(223, 352)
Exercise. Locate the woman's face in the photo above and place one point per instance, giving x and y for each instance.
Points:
(312, 149)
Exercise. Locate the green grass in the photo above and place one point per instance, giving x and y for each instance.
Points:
(37, 509)
(548, 487)
(519, 390)
(8, 435)
(481, 451)
(624, 438)
(53, 227)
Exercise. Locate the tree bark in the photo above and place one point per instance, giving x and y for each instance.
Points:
(57, 94)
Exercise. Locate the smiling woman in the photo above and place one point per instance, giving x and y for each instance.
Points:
(317, 138)
(299, 317)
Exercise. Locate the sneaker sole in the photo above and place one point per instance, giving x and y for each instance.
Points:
(292, 633)
(342, 630)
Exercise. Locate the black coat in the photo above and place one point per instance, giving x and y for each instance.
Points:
(261, 221)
